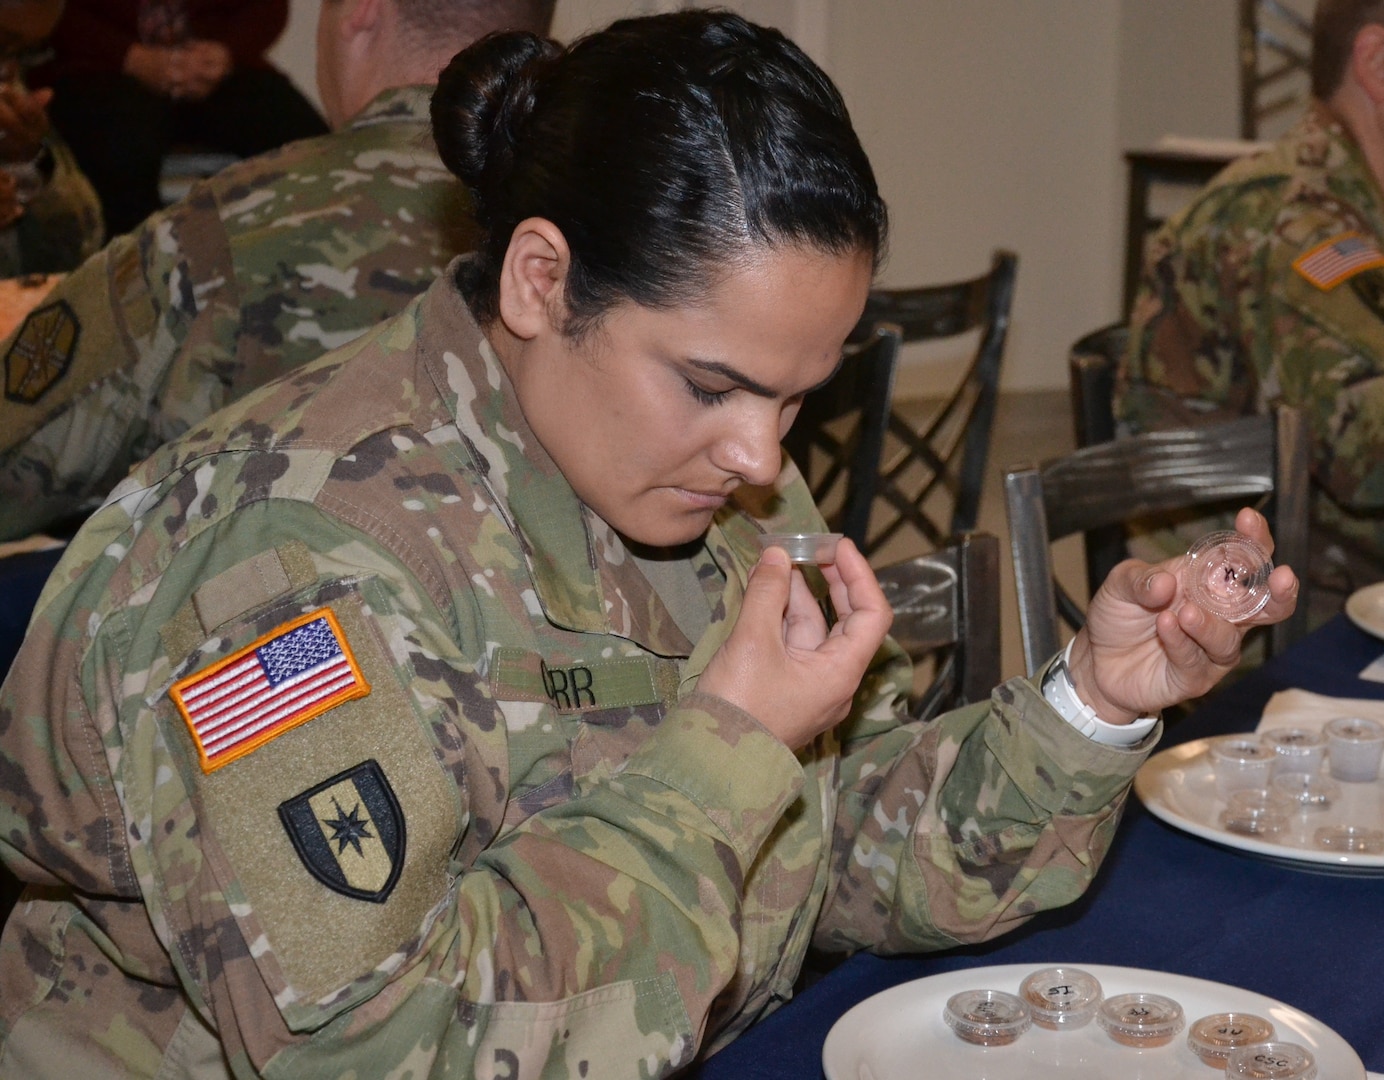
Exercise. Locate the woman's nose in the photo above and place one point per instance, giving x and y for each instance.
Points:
(751, 448)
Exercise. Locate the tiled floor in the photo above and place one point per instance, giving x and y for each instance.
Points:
(1029, 427)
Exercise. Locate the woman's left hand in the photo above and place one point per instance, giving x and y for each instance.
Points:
(1146, 645)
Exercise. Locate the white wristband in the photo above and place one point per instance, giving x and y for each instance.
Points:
(1060, 693)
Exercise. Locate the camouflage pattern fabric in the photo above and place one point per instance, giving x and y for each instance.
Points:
(261, 268)
(1231, 318)
(61, 226)
(530, 847)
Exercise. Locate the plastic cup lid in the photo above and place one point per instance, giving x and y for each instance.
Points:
(1272, 1061)
(1141, 1016)
(804, 547)
(1222, 1032)
(1228, 575)
(1064, 996)
(987, 1014)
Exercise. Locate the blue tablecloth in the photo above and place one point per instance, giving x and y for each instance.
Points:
(1164, 900)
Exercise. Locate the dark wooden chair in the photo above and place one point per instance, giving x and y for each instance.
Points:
(947, 453)
(1145, 475)
(947, 612)
(1275, 58)
(838, 435)
(1091, 367)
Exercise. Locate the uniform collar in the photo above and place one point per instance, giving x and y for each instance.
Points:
(584, 578)
(396, 103)
(1322, 143)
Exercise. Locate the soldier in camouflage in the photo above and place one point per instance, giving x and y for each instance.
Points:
(261, 268)
(431, 712)
(1269, 288)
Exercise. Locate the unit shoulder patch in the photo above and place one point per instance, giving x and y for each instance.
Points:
(349, 832)
(42, 352)
(295, 672)
(1338, 259)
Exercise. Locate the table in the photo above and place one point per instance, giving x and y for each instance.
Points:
(1164, 900)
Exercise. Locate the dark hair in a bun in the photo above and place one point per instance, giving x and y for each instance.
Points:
(662, 147)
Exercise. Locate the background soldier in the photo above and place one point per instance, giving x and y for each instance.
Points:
(261, 268)
(1269, 288)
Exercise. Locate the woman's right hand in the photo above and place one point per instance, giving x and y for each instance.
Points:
(781, 664)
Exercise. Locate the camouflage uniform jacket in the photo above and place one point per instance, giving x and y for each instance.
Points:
(263, 267)
(514, 840)
(1269, 288)
(61, 226)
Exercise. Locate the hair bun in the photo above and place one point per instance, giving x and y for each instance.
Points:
(482, 99)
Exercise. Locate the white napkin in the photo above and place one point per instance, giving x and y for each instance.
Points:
(1301, 708)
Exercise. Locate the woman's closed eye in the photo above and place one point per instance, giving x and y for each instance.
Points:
(704, 396)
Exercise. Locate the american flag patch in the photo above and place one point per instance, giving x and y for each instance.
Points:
(295, 672)
(1333, 261)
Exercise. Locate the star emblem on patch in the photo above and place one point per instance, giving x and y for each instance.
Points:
(349, 832)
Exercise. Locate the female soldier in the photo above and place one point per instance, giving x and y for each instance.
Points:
(428, 713)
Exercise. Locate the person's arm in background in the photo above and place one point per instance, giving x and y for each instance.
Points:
(96, 354)
(1193, 326)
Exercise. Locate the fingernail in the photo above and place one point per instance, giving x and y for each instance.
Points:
(774, 556)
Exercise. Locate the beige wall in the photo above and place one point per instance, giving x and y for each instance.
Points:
(992, 123)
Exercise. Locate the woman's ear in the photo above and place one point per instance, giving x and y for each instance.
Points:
(1367, 61)
(532, 279)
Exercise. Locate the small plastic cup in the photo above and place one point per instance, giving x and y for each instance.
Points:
(1140, 1020)
(1241, 761)
(1257, 812)
(1213, 1038)
(1350, 839)
(816, 548)
(1299, 750)
(1354, 745)
(1227, 574)
(1272, 1061)
(1062, 998)
(1314, 792)
(987, 1017)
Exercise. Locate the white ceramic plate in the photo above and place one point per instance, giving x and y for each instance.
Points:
(1179, 786)
(1365, 608)
(899, 1034)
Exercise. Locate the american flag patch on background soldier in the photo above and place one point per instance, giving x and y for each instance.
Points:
(1333, 261)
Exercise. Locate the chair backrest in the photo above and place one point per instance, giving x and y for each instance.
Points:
(948, 452)
(1149, 474)
(838, 435)
(1091, 367)
(947, 605)
(1275, 55)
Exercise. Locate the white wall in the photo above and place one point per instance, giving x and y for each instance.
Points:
(296, 51)
(992, 123)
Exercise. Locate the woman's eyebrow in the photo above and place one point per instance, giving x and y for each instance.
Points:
(716, 367)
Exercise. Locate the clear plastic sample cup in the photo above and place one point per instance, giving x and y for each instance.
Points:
(1354, 745)
(1257, 812)
(816, 548)
(1308, 792)
(1240, 761)
(1062, 998)
(1299, 750)
(1272, 1061)
(1213, 1038)
(1227, 574)
(1140, 1020)
(1350, 839)
(987, 1017)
